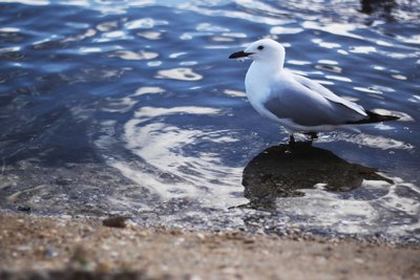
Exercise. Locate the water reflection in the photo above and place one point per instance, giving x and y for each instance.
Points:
(130, 55)
(372, 141)
(146, 23)
(181, 74)
(173, 158)
(150, 35)
(283, 171)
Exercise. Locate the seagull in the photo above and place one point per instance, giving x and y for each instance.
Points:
(296, 102)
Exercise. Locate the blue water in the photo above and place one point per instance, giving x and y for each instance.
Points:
(110, 107)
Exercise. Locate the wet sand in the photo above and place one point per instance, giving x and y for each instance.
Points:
(34, 247)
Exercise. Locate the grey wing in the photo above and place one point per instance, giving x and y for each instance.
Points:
(306, 108)
(320, 89)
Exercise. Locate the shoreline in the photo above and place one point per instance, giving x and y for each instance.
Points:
(34, 247)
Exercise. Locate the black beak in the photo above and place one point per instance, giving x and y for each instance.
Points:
(239, 54)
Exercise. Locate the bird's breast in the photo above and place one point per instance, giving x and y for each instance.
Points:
(258, 81)
(257, 85)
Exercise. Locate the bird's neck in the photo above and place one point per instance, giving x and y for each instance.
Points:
(270, 65)
(265, 68)
(259, 78)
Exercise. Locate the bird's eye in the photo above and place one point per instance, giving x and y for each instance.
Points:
(260, 47)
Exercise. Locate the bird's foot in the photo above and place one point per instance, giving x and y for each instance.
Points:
(291, 145)
(312, 136)
(292, 141)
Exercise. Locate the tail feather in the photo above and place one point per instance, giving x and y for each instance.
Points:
(374, 118)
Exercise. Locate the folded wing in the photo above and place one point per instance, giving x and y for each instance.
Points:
(326, 93)
(308, 107)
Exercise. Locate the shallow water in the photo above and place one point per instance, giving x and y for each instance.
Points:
(134, 108)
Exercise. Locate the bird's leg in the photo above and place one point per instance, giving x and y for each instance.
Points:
(313, 135)
(292, 140)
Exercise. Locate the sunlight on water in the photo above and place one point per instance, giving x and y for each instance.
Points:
(182, 74)
(165, 148)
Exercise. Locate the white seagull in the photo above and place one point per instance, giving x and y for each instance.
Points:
(296, 102)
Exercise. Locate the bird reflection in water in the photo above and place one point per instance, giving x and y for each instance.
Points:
(284, 170)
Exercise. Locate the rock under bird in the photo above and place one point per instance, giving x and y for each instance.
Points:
(296, 102)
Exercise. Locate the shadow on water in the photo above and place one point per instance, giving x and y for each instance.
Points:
(284, 170)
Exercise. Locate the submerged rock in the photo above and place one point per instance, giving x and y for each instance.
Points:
(282, 171)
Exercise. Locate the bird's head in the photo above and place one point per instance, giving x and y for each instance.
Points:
(262, 50)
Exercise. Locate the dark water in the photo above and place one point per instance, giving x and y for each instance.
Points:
(132, 107)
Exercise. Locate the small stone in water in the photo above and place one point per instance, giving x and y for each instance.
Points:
(116, 221)
(24, 208)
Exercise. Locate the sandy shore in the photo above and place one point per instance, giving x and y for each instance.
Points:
(51, 248)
